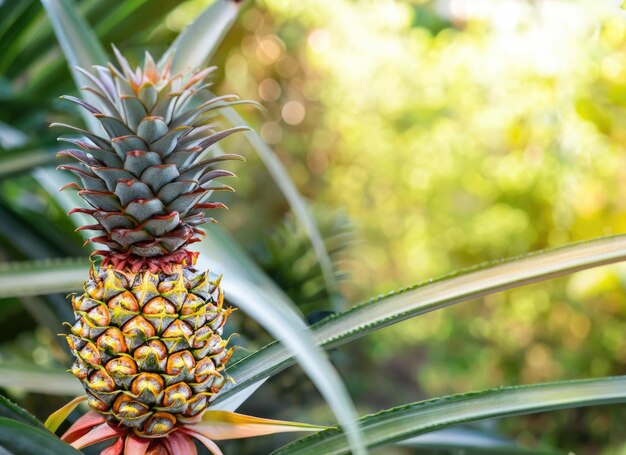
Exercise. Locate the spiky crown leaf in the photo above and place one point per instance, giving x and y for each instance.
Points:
(148, 179)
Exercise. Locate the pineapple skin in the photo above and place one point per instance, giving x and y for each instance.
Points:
(148, 346)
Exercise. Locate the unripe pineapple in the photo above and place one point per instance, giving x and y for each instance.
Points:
(148, 346)
(147, 336)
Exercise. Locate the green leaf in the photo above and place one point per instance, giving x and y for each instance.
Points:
(433, 295)
(18, 438)
(11, 410)
(422, 417)
(79, 44)
(200, 39)
(41, 380)
(78, 41)
(19, 160)
(29, 278)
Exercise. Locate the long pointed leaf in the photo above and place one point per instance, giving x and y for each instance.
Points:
(11, 410)
(433, 295)
(42, 277)
(79, 44)
(46, 381)
(222, 425)
(54, 421)
(19, 438)
(400, 423)
(199, 41)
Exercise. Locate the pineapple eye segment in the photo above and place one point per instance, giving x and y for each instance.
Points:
(112, 341)
(125, 407)
(90, 355)
(100, 381)
(159, 306)
(98, 316)
(79, 369)
(176, 396)
(180, 362)
(96, 403)
(124, 302)
(204, 369)
(178, 329)
(158, 425)
(139, 327)
(121, 366)
(147, 383)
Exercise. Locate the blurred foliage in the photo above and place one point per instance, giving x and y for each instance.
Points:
(454, 133)
(287, 257)
(451, 132)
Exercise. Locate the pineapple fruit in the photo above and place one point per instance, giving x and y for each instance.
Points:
(148, 331)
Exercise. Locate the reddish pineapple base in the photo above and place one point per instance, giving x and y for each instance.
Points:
(134, 263)
(92, 428)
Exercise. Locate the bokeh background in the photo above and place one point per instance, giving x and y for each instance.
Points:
(429, 136)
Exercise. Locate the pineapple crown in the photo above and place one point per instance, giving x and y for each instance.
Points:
(148, 177)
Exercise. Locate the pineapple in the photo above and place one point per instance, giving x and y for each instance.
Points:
(148, 331)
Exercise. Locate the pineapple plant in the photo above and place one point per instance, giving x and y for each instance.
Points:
(147, 336)
(133, 267)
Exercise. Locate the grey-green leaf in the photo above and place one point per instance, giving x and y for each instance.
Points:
(204, 34)
(432, 295)
(41, 380)
(422, 417)
(42, 277)
(152, 128)
(79, 44)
